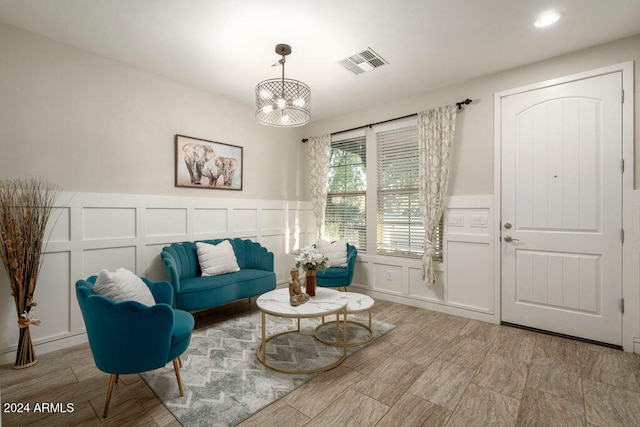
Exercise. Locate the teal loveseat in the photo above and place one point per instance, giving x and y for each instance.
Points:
(193, 292)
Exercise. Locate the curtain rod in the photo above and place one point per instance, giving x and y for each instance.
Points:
(458, 104)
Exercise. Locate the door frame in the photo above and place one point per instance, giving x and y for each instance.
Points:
(630, 291)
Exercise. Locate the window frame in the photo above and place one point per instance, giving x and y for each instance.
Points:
(385, 230)
(355, 137)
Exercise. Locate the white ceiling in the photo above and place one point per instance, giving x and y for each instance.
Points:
(227, 46)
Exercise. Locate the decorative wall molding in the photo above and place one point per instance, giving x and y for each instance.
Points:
(92, 231)
(465, 281)
(96, 230)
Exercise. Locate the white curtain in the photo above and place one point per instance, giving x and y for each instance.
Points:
(435, 135)
(319, 157)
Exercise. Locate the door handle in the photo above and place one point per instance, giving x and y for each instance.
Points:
(508, 238)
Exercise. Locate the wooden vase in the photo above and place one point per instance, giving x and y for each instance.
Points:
(310, 282)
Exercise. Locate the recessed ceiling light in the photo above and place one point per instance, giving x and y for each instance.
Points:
(547, 19)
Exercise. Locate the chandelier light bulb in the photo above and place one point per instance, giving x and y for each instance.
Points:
(266, 94)
(281, 103)
(267, 109)
(298, 102)
(285, 118)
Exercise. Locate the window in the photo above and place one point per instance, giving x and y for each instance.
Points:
(399, 222)
(345, 215)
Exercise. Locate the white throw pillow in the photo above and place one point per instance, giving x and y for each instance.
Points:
(216, 259)
(123, 285)
(336, 252)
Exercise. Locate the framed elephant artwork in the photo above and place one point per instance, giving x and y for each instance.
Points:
(208, 164)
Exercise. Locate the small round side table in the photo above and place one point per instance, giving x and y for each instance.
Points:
(358, 303)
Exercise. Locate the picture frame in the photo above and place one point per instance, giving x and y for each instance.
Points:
(201, 163)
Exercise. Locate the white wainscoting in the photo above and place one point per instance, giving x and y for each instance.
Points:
(466, 284)
(93, 231)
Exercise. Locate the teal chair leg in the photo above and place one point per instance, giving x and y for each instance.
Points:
(176, 367)
(112, 380)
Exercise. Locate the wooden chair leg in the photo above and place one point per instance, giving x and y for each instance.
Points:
(180, 361)
(177, 369)
(112, 381)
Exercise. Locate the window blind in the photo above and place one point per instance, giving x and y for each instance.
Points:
(345, 214)
(400, 227)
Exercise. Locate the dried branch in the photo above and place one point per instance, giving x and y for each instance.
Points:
(25, 207)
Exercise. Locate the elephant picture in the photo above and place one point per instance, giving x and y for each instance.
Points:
(195, 156)
(202, 163)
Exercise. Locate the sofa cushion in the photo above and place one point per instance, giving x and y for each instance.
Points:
(216, 259)
(333, 273)
(212, 291)
(123, 285)
(198, 284)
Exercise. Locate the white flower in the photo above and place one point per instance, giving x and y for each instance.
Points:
(309, 258)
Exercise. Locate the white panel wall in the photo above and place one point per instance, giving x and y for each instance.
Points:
(96, 230)
(93, 231)
(465, 279)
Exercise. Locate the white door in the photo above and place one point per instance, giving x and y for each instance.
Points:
(562, 208)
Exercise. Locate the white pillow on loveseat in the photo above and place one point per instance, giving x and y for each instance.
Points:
(216, 259)
(123, 285)
(335, 251)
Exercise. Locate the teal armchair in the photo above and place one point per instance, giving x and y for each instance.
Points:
(128, 337)
(339, 277)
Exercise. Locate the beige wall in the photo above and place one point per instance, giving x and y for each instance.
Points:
(472, 172)
(93, 124)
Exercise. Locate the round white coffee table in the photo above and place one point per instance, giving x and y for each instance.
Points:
(358, 303)
(326, 302)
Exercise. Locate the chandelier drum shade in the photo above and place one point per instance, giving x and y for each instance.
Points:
(283, 102)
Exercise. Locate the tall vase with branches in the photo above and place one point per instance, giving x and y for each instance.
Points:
(25, 207)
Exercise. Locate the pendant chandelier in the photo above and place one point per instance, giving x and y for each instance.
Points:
(283, 102)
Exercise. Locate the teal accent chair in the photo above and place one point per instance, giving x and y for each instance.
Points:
(128, 337)
(339, 277)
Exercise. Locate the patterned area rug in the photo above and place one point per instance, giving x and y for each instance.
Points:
(224, 383)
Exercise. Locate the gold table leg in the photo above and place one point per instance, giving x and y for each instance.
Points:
(262, 353)
(353, 322)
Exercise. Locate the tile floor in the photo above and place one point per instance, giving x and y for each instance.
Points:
(433, 369)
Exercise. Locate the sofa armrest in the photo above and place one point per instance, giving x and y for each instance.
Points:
(352, 254)
(171, 273)
(256, 256)
(162, 291)
(266, 261)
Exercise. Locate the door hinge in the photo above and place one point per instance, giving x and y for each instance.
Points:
(622, 305)
(622, 234)
(622, 166)
(623, 96)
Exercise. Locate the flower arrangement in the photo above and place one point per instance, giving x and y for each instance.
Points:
(25, 207)
(309, 258)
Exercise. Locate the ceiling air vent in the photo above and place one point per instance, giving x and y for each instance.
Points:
(362, 61)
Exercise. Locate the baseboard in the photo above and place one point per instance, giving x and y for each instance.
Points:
(428, 305)
(46, 347)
